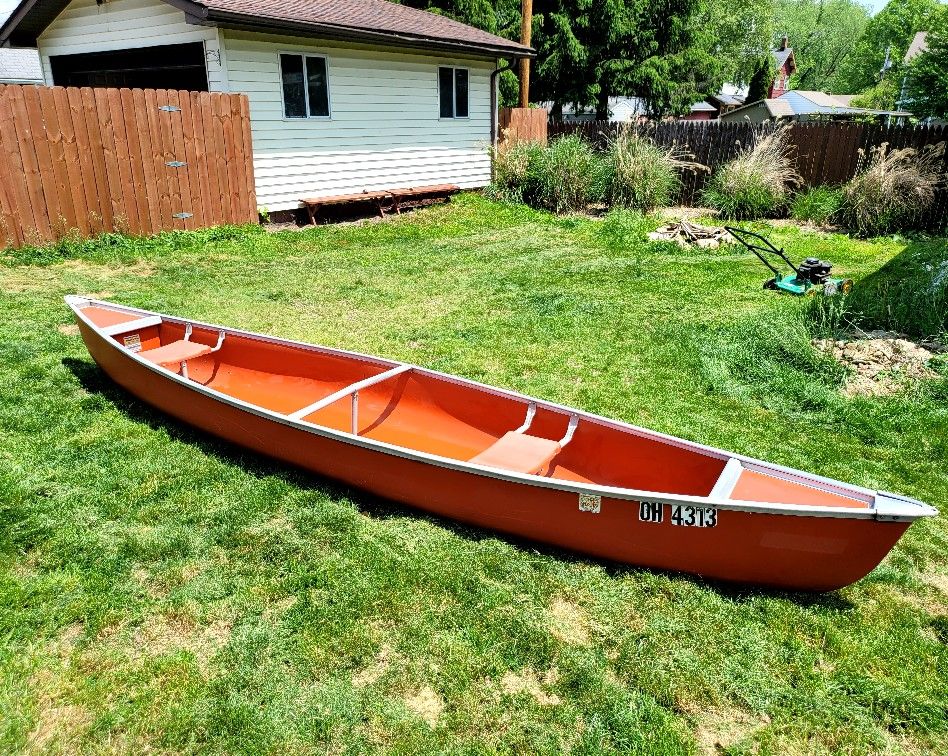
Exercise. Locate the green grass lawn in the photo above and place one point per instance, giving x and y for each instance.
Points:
(160, 590)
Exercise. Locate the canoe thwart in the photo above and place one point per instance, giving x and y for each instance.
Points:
(727, 479)
(350, 389)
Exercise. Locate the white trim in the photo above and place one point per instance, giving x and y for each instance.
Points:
(727, 479)
(304, 56)
(131, 325)
(350, 389)
(855, 492)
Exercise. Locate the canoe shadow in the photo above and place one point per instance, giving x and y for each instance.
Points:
(96, 382)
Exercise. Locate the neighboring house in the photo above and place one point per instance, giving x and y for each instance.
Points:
(20, 67)
(731, 96)
(803, 105)
(701, 111)
(621, 110)
(916, 47)
(345, 95)
(786, 67)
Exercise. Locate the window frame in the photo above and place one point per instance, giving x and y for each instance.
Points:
(304, 56)
(454, 93)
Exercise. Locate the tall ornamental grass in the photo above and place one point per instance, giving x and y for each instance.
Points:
(892, 189)
(758, 182)
(642, 174)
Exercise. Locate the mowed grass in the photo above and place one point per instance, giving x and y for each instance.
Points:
(160, 590)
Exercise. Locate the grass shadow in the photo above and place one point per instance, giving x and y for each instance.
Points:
(94, 381)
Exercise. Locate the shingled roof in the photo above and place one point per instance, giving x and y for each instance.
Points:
(355, 20)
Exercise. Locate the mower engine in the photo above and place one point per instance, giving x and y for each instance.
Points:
(814, 270)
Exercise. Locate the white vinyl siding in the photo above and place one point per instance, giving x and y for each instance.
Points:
(385, 130)
(85, 27)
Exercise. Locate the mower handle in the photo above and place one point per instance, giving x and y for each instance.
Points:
(741, 235)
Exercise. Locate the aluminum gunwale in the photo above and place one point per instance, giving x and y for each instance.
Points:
(862, 494)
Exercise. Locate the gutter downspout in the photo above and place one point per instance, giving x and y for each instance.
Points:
(494, 101)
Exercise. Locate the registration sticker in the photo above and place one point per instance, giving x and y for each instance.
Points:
(133, 343)
(693, 517)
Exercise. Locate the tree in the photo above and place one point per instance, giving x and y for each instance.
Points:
(927, 76)
(760, 82)
(822, 33)
(890, 32)
(739, 33)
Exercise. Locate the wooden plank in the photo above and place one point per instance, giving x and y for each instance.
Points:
(57, 181)
(82, 102)
(212, 157)
(223, 111)
(248, 158)
(210, 199)
(166, 121)
(72, 160)
(53, 184)
(83, 160)
(162, 180)
(138, 195)
(17, 186)
(136, 133)
(139, 112)
(239, 164)
(28, 143)
(197, 191)
(113, 177)
(123, 157)
(179, 154)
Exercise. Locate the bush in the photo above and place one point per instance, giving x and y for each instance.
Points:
(643, 175)
(517, 172)
(819, 205)
(758, 181)
(572, 175)
(892, 188)
(565, 176)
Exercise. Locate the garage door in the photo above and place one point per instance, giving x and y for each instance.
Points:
(161, 67)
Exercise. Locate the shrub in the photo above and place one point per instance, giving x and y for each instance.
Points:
(758, 181)
(818, 205)
(517, 172)
(643, 175)
(572, 175)
(892, 188)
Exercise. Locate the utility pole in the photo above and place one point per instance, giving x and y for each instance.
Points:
(526, 28)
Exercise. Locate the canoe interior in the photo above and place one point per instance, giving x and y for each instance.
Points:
(451, 418)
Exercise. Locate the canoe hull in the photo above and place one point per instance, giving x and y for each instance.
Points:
(779, 550)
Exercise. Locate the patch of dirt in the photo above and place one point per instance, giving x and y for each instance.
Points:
(568, 622)
(162, 634)
(882, 362)
(426, 704)
(528, 682)
(688, 213)
(58, 724)
(718, 729)
(68, 329)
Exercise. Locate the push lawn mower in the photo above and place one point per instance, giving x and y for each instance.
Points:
(811, 276)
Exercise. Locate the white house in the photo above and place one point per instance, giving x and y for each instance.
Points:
(345, 95)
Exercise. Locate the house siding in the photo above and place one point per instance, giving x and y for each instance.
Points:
(384, 130)
(85, 27)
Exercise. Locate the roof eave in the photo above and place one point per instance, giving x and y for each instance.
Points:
(244, 22)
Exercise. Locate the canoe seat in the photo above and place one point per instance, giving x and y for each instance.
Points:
(519, 452)
(173, 354)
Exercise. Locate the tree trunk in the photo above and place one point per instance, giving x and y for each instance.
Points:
(602, 104)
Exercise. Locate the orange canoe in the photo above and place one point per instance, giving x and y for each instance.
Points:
(498, 459)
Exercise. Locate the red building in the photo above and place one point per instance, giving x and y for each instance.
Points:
(786, 67)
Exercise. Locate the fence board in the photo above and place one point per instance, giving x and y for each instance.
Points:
(87, 161)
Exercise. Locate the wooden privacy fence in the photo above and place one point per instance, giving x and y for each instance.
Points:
(131, 160)
(826, 153)
(523, 125)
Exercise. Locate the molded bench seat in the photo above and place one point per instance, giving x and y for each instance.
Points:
(520, 453)
(173, 354)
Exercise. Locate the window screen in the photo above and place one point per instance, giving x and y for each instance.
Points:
(317, 86)
(460, 93)
(446, 87)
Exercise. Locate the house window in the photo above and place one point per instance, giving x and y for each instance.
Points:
(305, 86)
(453, 92)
